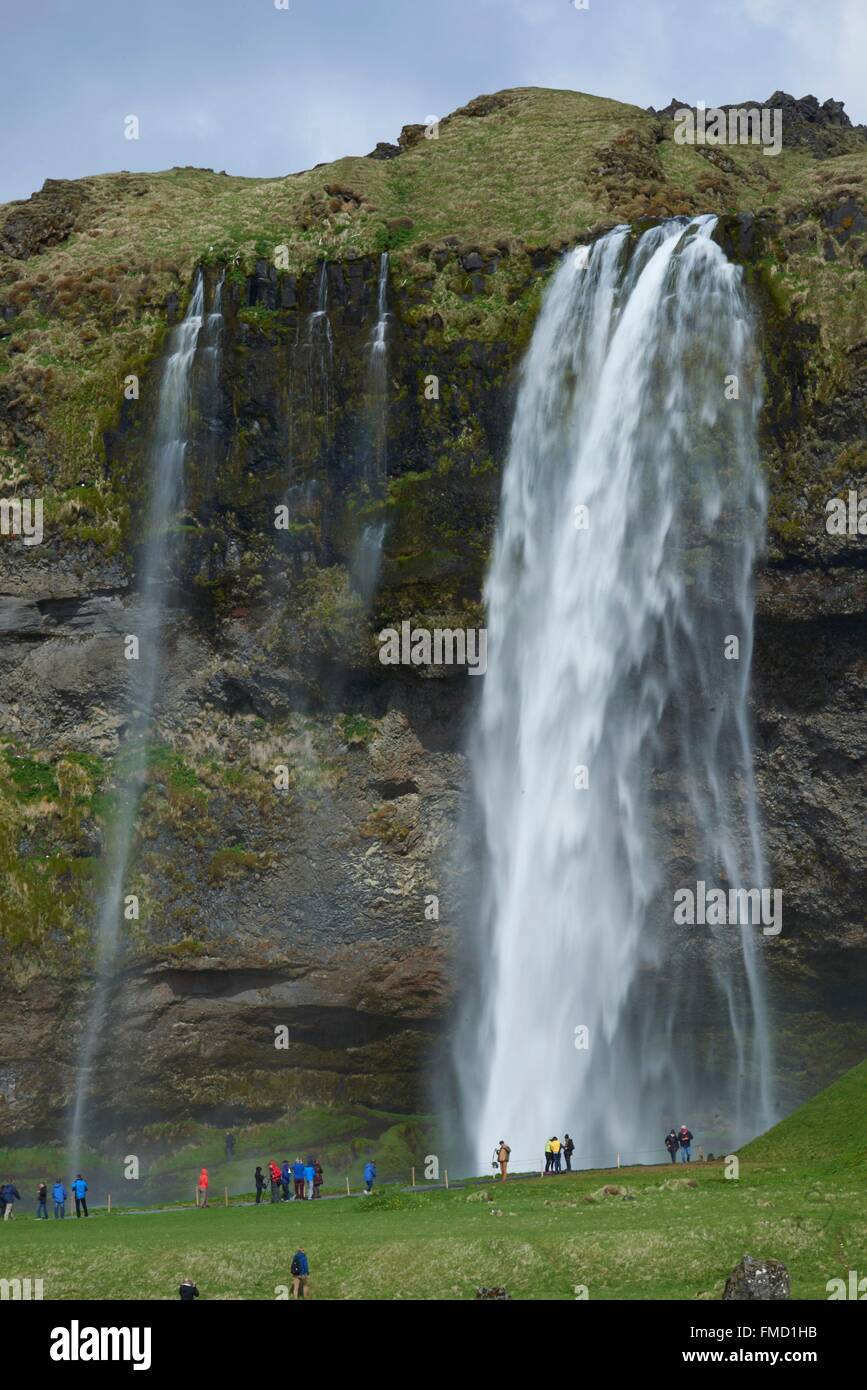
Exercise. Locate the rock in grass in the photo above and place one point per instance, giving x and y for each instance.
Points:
(491, 1293)
(758, 1280)
(483, 1195)
(673, 1184)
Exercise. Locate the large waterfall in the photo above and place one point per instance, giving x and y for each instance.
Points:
(154, 584)
(612, 757)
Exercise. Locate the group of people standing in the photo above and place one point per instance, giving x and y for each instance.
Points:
(679, 1139)
(305, 1177)
(557, 1153)
(9, 1195)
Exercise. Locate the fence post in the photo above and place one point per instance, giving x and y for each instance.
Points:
(618, 1160)
(447, 1179)
(226, 1196)
(109, 1204)
(347, 1186)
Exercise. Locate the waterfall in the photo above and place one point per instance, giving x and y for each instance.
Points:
(155, 581)
(607, 631)
(320, 352)
(367, 558)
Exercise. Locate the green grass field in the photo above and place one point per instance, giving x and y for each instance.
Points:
(801, 1196)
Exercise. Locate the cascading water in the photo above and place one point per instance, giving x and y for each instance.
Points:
(607, 630)
(156, 569)
(367, 560)
(320, 352)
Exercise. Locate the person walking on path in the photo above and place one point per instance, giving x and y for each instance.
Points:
(188, 1291)
(79, 1191)
(58, 1193)
(298, 1178)
(309, 1175)
(318, 1179)
(672, 1143)
(568, 1150)
(286, 1179)
(503, 1152)
(274, 1173)
(369, 1176)
(41, 1202)
(300, 1270)
(259, 1180)
(9, 1195)
(684, 1139)
(202, 1189)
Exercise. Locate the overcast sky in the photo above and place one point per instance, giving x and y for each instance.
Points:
(244, 86)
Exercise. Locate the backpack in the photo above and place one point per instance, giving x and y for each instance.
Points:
(295, 1267)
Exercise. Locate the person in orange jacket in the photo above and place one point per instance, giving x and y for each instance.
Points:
(202, 1189)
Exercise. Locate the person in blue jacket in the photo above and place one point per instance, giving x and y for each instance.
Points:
(309, 1175)
(300, 1270)
(369, 1176)
(79, 1188)
(298, 1178)
(9, 1195)
(58, 1192)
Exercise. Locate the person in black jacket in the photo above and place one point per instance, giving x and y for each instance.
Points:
(259, 1180)
(684, 1139)
(672, 1143)
(188, 1291)
(568, 1150)
(42, 1201)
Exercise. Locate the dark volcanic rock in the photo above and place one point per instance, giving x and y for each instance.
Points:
(757, 1280)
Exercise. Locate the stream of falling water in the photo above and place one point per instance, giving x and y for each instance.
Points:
(607, 632)
(155, 580)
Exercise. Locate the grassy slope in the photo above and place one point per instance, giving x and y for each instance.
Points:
(829, 1129)
(676, 1243)
(792, 1201)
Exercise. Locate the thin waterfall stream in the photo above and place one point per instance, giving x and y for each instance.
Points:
(155, 586)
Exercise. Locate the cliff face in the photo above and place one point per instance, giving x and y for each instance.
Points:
(329, 906)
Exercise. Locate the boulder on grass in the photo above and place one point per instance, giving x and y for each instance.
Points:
(492, 1293)
(758, 1280)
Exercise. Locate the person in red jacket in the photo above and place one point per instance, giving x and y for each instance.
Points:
(274, 1174)
(202, 1189)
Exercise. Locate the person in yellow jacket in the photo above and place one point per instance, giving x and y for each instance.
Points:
(549, 1157)
(556, 1146)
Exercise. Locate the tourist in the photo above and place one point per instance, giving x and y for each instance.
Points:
(568, 1150)
(503, 1152)
(309, 1175)
(300, 1270)
(58, 1193)
(188, 1291)
(79, 1191)
(298, 1177)
(202, 1189)
(286, 1179)
(318, 1179)
(549, 1157)
(9, 1195)
(672, 1143)
(369, 1176)
(259, 1180)
(555, 1154)
(42, 1202)
(274, 1173)
(684, 1139)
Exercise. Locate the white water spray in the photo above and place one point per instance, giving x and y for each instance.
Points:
(367, 559)
(607, 631)
(166, 473)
